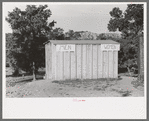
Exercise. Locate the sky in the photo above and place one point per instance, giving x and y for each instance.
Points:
(93, 17)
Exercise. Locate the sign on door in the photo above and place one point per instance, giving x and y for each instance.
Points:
(108, 47)
(66, 47)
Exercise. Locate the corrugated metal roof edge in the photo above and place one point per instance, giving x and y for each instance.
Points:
(113, 42)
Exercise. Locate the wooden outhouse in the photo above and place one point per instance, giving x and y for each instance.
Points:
(81, 59)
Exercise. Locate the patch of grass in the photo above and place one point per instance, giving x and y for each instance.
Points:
(137, 83)
(11, 84)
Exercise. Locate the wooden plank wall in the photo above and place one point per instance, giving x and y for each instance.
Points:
(87, 62)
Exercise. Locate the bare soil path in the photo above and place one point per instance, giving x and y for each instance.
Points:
(122, 87)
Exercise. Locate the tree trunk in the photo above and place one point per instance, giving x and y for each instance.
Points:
(33, 47)
(128, 70)
(34, 75)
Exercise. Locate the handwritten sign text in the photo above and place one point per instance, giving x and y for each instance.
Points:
(65, 47)
(110, 47)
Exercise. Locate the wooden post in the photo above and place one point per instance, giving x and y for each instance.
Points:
(141, 60)
(34, 76)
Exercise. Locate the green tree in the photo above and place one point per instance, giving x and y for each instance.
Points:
(9, 44)
(106, 36)
(56, 34)
(71, 35)
(130, 23)
(30, 31)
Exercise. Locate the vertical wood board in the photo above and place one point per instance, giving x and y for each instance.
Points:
(58, 73)
(87, 61)
(84, 63)
(49, 61)
(60, 65)
(115, 64)
(107, 64)
(104, 64)
(100, 62)
(111, 64)
(66, 65)
(73, 66)
(89, 64)
(78, 61)
(94, 62)
(53, 61)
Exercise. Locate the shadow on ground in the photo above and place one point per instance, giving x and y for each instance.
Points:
(22, 81)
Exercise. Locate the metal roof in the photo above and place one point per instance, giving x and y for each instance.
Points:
(82, 42)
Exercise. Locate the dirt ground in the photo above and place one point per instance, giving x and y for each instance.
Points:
(122, 87)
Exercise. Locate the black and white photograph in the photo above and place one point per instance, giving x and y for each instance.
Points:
(83, 51)
(74, 50)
